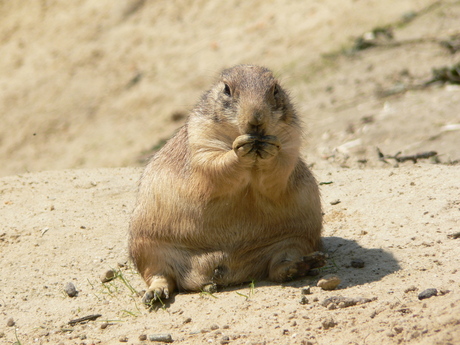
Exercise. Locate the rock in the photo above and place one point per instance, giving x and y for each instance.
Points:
(143, 337)
(427, 293)
(104, 325)
(225, 340)
(305, 291)
(10, 322)
(108, 276)
(303, 300)
(214, 327)
(398, 329)
(411, 288)
(187, 320)
(329, 282)
(332, 306)
(344, 302)
(163, 338)
(328, 323)
(357, 263)
(123, 339)
(70, 290)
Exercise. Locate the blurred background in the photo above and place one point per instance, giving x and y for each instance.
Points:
(92, 84)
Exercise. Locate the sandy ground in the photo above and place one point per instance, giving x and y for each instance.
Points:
(89, 87)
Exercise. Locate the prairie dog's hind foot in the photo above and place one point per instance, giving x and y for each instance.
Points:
(160, 288)
(286, 270)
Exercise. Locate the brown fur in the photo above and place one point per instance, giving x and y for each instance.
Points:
(228, 199)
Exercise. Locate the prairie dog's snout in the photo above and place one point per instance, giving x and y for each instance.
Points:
(256, 121)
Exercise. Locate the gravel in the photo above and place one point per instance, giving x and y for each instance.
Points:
(70, 289)
(427, 293)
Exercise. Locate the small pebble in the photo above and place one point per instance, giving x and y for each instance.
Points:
(143, 337)
(214, 327)
(303, 300)
(329, 282)
(108, 276)
(398, 329)
(225, 339)
(305, 291)
(427, 293)
(10, 322)
(335, 202)
(332, 306)
(104, 325)
(225, 326)
(188, 320)
(328, 323)
(411, 288)
(70, 289)
(123, 340)
(357, 263)
(164, 338)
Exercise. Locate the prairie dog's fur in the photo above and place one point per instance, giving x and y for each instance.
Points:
(228, 199)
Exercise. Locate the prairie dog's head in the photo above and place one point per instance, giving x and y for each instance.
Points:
(251, 99)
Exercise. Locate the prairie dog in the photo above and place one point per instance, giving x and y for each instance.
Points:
(228, 198)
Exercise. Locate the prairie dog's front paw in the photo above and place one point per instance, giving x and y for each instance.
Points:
(244, 145)
(262, 147)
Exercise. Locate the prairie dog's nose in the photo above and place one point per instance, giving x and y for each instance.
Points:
(256, 118)
(256, 123)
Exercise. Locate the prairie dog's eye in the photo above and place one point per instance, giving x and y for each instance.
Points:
(227, 90)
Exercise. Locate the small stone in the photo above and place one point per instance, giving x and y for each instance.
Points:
(398, 329)
(123, 339)
(305, 291)
(164, 337)
(427, 293)
(225, 326)
(188, 320)
(335, 202)
(225, 340)
(328, 323)
(303, 300)
(70, 289)
(357, 263)
(10, 322)
(104, 325)
(214, 327)
(411, 288)
(332, 306)
(108, 276)
(329, 282)
(443, 292)
(143, 337)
